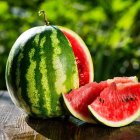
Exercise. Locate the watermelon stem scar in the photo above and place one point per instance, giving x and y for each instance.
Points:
(42, 12)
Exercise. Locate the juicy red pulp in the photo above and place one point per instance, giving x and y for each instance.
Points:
(116, 102)
(86, 96)
(81, 59)
(77, 100)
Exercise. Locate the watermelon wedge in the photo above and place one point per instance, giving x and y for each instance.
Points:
(77, 100)
(117, 105)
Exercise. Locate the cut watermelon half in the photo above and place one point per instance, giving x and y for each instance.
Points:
(82, 55)
(117, 105)
(77, 100)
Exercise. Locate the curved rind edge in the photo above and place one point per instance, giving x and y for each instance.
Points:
(73, 112)
(112, 123)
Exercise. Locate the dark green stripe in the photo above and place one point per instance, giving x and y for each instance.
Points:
(24, 67)
(51, 76)
(13, 69)
(21, 101)
(38, 77)
(14, 58)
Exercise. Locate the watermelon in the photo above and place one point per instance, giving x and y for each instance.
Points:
(42, 65)
(117, 105)
(77, 100)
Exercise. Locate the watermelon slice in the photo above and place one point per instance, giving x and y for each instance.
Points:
(82, 55)
(117, 105)
(77, 100)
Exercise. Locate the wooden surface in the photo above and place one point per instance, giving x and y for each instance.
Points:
(15, 125)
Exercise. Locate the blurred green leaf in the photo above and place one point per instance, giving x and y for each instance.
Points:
(127, 19)
(97, 14)
(120, 5)
(109, 28)
(3, 8)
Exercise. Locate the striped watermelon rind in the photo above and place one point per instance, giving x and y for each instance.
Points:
(41, 65)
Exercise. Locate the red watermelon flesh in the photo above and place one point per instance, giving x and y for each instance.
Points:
(82, 55)
(117, 105)
(77, 100)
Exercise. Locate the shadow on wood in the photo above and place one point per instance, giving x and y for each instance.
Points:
(72, 129)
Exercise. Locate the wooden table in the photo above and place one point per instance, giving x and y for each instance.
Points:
(15, 125)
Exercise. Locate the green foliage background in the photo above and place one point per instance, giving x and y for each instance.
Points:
(110, 28)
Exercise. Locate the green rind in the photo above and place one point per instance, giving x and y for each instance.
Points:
(112, 123)
(76, 114)
(41, 65)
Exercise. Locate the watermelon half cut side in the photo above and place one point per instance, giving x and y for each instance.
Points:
(82, 55)
(117, 105)
(77, 100)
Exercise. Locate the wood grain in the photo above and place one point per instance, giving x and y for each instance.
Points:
(12, 122)
(15, 125)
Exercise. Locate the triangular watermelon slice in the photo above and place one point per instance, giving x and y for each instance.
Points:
(77, 100)
(117, 105)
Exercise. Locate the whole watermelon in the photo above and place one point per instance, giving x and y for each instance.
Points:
(40, 67)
